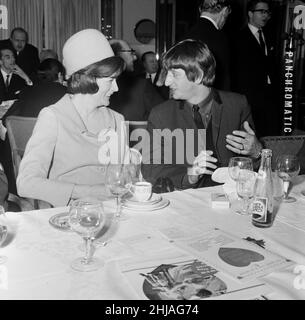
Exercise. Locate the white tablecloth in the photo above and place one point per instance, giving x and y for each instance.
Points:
(39, 256)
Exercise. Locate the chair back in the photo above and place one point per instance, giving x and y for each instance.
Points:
(19, 130)
(283, 145)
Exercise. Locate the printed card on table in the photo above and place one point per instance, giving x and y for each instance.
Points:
(239, 258)
(191, 279)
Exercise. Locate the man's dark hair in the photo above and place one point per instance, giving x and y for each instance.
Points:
(143, 57)
(2, 48)
(251, 5)
(49, 70)
(194, 57)
(84, 80)
(19, 29)
(213, 6)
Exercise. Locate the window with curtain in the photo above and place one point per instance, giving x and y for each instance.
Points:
(28, 15)
(108, 18)
(63, 18)
(50, 23)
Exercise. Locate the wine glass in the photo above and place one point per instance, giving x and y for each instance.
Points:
(245, 188)
(287, 167)
(238, 163)
(86, 218)
(119, 180)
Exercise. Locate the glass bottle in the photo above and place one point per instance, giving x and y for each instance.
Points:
(263, 204)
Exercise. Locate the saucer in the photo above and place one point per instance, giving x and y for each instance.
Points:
(155, 198)
(60, 221)
(146, 207)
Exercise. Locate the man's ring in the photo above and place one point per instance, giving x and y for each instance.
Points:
(242, 147)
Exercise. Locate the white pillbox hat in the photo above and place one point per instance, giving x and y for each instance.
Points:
(84, 48)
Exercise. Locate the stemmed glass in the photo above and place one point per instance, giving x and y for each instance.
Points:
(238, 163)
(119, 180)
(287, 167)
(245, 188)
(86, 217)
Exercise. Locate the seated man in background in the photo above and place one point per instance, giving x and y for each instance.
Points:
(209, 126)
(151, 66)
(12, 77)
(48, 90)
(136, 96)
(26, 54)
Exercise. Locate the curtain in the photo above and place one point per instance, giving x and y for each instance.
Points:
(28, 15)
(4, 20)
(63, 18)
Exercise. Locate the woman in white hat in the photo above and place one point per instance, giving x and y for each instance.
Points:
(61, 158)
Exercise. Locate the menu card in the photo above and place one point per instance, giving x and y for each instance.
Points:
(239, 258)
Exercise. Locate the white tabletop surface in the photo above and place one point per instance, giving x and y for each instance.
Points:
(39, 256)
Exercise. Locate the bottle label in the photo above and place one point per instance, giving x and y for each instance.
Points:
(259, 209)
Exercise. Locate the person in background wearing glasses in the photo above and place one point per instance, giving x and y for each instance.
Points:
(136, 96)
(208, 29)
(253, 69)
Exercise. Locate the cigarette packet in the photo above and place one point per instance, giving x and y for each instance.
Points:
(220, 200)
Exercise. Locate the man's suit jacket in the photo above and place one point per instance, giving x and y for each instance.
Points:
(27, 59)
(228, 113)
(135, 98)
(218, 43)
(250, 71)
(10, 93)
(34, 98)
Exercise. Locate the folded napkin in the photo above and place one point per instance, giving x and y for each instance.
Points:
(221, 175)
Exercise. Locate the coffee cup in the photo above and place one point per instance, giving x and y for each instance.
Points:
(142, 191)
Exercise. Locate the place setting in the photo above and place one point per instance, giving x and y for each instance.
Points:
(141, 198)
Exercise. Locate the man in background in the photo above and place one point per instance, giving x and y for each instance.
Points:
(253, 68)
(26, 55)
(136, 96)
(208, 29)
(12, 77)
(151, 66)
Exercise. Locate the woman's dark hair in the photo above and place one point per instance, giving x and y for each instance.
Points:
(194, 57)
(49, 70)
(84, 80)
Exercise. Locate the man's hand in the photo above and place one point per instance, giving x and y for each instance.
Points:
(244, 142)
(201, 165)
(17, 70)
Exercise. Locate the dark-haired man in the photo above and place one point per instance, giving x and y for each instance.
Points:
(208, 29)
(26, 55)
(253, 69)
(209, 126)
(12, 77)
